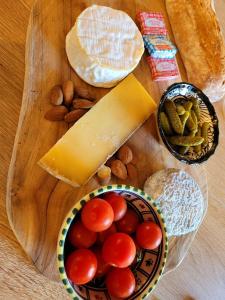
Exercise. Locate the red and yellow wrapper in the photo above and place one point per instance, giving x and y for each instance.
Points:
(152, 23)
(162, 68)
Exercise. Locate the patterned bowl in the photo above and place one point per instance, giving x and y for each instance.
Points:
(150, 264)
(179, 92)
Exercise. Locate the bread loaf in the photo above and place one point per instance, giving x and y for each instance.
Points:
(201, 44)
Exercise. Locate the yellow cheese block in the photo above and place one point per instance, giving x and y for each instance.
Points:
(99, 133)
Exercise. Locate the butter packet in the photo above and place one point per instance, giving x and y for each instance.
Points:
(159, 46)
(152, 23)
(163, 69)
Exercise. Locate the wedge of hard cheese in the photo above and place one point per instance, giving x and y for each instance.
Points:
(99, 133)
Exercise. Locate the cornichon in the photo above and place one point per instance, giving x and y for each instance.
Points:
(180, 109)
(165, 123)
(197, 149)
(172, 114)
(186, 140)
(196, 108)
(188, 105)
(205, 127)
(195, 120)
(190, 123)
(184, 149)
(183, 119)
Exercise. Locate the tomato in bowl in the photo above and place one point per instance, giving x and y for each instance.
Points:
(104, 264)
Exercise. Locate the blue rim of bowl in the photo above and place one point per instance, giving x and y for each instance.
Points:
(212, 113)
(75, 209)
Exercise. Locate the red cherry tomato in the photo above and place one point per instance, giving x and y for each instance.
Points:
(149, 235)
(119, 250)
(81, 266)
(103, 267)
(129, 222)
(120, 283)
(102, 236)
(97, 215)
(81, 237)
(118, 203)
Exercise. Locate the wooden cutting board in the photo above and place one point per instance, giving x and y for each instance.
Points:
(37, 202)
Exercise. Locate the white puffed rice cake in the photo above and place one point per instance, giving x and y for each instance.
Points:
(179, 198)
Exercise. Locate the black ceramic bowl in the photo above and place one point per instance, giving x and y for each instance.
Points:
(182, 91)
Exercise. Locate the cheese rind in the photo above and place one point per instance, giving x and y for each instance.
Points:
(99, 133)
(104, 46)
(89, 70)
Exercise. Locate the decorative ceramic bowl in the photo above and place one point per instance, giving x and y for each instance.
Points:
(182, 91)
(149, 266)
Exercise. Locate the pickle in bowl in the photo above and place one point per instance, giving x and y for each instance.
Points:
(187, 123)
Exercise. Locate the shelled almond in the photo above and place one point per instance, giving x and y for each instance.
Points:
(56, 113)
(56, 95)
(82, 103)
(132, 171)
(119, 169)
(125, 154)
(121, 164)
(74, 115)
(109, 161)
(66, 107)
(83, 93)
(68, 92)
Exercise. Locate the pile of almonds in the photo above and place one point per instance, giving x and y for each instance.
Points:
(67, 105)
(119, 165)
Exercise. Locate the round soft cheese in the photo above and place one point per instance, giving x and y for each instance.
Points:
(180, 199)
(104, 46)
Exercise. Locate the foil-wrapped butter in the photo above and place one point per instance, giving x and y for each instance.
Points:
(159, 46)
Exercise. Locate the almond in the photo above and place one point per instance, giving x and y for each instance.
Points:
(68, 91)
(82, 103)
(119, 169)
(104, 175)
(83, 92)
(56, 95)
(109, 161)
(56, 113)
(132, 171)
(74, 115)
(125, 154)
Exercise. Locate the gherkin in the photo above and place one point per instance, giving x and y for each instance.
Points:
(190, 123)
(165, 124)
(188, 105)
(183, 119)
(186, 140)
(180, 109)
(205, 127)
(184, 149)
(197, 148)
(173, 116)
(196, 108)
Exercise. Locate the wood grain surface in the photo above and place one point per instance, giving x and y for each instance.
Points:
(201, 276)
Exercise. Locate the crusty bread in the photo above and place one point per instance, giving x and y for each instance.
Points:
(201, 44)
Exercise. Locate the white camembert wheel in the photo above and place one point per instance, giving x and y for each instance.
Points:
(104, 46)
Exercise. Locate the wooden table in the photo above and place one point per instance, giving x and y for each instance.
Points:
(202, 274)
